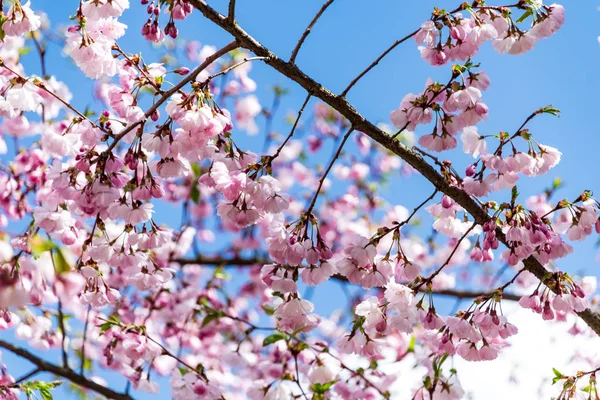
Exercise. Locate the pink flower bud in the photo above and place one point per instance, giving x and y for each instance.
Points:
(470, 171)
(447, 202)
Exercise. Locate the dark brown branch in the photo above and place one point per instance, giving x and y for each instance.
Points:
(307, 31)
(66, 373)
(340, 104)
(231, 15)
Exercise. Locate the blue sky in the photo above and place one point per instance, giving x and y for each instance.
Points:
(561, 71)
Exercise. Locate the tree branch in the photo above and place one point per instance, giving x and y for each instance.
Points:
(289, 136)
(167, 95)
(340, 104)
(231, 11)
(333, 160)
(67, 373)
(307, 31)
(245, 262)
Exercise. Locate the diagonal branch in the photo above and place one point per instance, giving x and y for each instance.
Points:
(359, 122)
(307, 31)
(167, 95)
(67, 373)
(333, 160)
(374, 63)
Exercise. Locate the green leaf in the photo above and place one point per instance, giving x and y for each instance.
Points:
(40, 245)
(270, 310)
(525, 15)
(211, 317)
(557, 376)
(3, 19)
(113, 320)
(60, 262)
(195, 194)
(24, 50)
(221, 274)
(549, 110)
(45, 393)
(411, 345)
(322, 388)
(275, 337)
(197, 170)
(514, 194)
(587, 389)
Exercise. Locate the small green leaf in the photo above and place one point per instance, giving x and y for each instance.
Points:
(195, 194)
(525, 15)
(587, 389)
(40, 245)
(45, 393)
(275, 337)
(197, 170)
(322, 388)
(549, 110)
(212, 317)
(24, 50)
(514, 194)
(411, 345)
(60, 262)
(557, 376)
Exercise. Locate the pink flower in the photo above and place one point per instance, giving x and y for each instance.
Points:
(433, 55)
(139, 214)
(96, 9)
(313, 276)
(549, 24)
(24, 97)
(468, 351)
(369, 309)
(473, 144)
(476, 187)
(427, 34)
(461, 99)
(438, 143)
(20, 19)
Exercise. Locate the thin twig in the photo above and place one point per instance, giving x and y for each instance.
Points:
(307, 31)
(226, 70)
(374, 63)
(430, 279)
(282, 145)
(28, 375)
(333, 160)
(85, 329)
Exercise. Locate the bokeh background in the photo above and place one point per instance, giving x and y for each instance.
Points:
(562, 71)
